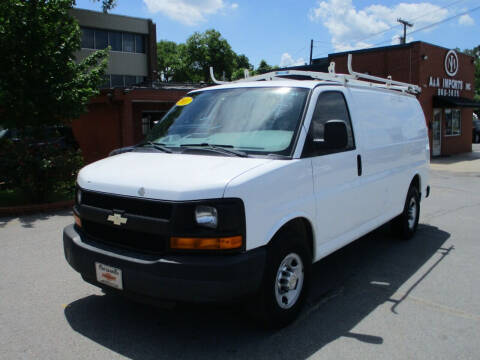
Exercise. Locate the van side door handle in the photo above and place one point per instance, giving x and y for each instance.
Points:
(359, 165)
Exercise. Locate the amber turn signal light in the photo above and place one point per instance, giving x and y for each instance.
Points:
(78, 221)
(220, 243)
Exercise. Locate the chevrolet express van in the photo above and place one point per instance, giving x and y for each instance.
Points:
(242, 186)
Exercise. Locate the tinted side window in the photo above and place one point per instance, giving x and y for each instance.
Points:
(331, 105)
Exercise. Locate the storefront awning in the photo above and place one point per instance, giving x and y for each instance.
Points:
(450, 101)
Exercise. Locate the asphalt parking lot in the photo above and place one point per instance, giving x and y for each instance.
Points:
(377, 298)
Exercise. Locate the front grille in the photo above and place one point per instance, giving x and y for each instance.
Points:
(126, 239)
(143, 207)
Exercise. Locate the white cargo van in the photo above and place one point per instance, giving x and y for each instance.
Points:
(242, 186)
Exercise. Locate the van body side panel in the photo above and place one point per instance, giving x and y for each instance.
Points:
(393, 137)
(272, 196)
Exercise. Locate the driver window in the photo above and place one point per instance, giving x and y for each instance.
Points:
(331, 105)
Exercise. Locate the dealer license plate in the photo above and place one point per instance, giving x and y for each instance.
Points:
(109, 275)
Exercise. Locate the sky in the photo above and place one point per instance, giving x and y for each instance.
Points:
(280, 31)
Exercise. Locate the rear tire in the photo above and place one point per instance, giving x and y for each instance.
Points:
(405, 225)
(286, 281)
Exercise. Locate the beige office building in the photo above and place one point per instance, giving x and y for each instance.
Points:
(133, 57)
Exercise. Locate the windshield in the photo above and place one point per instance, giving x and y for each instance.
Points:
(253, 120)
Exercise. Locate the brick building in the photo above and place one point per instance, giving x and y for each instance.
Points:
(445, 76)
(121, 117)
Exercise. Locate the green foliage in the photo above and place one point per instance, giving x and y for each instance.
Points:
(40, 83)
(191, 61)
(264, 67)
(475, 52)
(37, 169)
(106, 4)
(209, 49)
(172, 61)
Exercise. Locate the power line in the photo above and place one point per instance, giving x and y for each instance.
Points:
(414, 19)
(435, 23)
(419, 17)
(447, 19)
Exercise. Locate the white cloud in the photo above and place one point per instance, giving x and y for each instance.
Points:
(466, 20)
(287, 60)
(352, 28)
(188, 12)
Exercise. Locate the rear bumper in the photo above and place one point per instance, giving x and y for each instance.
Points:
(191, 278)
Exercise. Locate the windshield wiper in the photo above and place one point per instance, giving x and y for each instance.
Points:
(155, 145)
(224, 149)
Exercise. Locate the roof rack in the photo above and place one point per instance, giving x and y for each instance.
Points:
(351, 79)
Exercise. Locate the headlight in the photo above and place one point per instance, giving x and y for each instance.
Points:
(79, 196)
(206, 216)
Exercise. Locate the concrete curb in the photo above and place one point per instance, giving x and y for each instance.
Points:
(34, 208)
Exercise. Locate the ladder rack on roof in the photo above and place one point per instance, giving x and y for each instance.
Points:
(351, 79)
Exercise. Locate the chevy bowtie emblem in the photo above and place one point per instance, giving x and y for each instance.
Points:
(117, 219)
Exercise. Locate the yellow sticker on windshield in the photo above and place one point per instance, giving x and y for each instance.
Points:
(184, 101)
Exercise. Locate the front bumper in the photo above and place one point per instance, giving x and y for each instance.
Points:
(191, 278)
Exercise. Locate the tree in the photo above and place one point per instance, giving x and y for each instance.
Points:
(475, 52)
(209, 49)
(171, 61)
(191, 61)
(264, 67)
(241, 63)
(40, 82)
(42, 85)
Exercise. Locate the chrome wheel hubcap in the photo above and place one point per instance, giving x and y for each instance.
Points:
(289, 281)
(412, 213)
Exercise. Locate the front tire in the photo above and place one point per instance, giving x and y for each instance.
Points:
(285, 282)
(405, 225)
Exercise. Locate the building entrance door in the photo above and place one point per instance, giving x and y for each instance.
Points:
(437, 132)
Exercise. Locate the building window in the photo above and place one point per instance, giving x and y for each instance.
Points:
(118, 41)
(88, 38)
(139, 44)
(114, 80)
(101, 39)
(115, 40)
(146, 126)
(453, 122)
(130, 80)
(128, 42)
(117, 81)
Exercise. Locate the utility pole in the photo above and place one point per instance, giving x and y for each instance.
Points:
(311, 51)
(405, 23)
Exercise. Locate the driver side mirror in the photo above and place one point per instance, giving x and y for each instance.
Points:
(335, 136)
